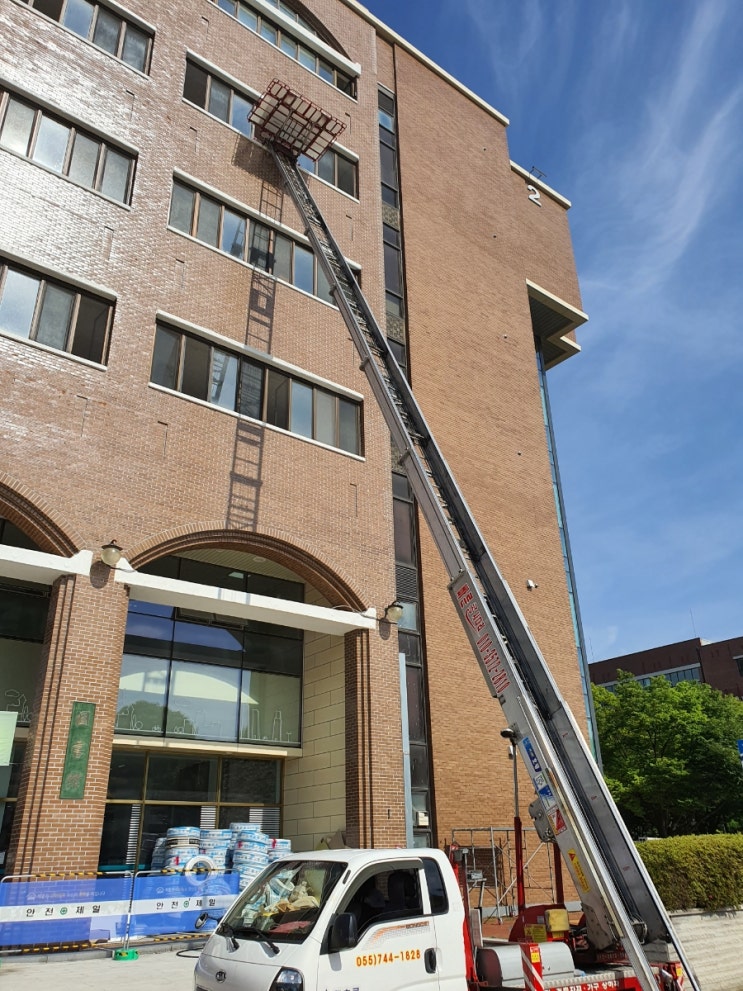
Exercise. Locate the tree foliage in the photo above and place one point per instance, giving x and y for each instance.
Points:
(670, 756)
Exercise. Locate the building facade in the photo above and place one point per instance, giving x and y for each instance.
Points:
(716, 663)
(177, 380)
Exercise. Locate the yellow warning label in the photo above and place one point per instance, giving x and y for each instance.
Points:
(536, 934)
(578, 868)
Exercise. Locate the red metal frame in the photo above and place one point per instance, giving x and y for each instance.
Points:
(292, 123)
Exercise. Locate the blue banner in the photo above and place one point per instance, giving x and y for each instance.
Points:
(103, 909)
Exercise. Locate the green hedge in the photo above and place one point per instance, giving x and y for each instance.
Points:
(696, 871)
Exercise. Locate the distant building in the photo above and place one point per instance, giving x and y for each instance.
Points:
(717, 664)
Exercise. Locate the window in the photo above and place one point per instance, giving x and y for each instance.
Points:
(286, 902)
(739, 663)
(277, 35)
(192, 676)
(388, 149)
(393, 271)
(193, 366)
(218, 98)
(64, 148)
(102, 27)
(150, 792)
(391, 891)
(62, 317)
(221, 227)
(335, 168)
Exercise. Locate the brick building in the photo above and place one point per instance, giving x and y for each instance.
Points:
(176, 378)
(716, 663)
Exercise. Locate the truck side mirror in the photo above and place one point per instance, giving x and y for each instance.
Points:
(343, 932)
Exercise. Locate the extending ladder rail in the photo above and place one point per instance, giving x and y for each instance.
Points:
(618, 897)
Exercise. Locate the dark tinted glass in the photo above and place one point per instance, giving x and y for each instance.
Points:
(250, 401)
(416, 709)
(52, 8)
(279, 655)
(250, 781)
(209, 644)
(418, 766)
(165, 358)
(22, 614)
(117, 824)
(436, 888)
(241, 109)
(404, 532)
(182, 779)
(126, 776)
(348, 426)
(149, 635)
(90, 329)
(346, 176)
(326, 166)
(195, 376)
(277, 399)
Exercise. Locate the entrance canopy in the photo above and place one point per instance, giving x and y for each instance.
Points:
(292, 123)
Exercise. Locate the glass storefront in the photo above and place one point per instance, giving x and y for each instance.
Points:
(150, 792)
(194, 675)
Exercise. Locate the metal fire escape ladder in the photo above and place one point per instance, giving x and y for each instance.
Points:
(618, 897)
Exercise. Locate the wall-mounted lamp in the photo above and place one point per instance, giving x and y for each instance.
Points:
(531, 584)
(393, 612)
(111, 553)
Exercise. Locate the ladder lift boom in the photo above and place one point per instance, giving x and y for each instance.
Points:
(618, 897)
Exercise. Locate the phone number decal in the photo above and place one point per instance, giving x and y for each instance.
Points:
(374, 959)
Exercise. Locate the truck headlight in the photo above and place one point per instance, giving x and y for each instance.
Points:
(288, 980)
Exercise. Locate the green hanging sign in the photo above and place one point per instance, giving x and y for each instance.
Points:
(78, 750)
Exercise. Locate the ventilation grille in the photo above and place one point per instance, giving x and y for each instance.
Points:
(407, 582)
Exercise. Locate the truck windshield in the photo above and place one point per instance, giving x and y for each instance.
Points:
(285, 901)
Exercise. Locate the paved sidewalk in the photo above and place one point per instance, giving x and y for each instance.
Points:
(167, 969)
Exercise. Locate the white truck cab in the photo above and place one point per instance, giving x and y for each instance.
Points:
(342, 920)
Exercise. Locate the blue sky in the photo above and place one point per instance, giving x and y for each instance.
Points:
(633, 109)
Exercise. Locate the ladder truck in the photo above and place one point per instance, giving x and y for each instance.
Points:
(624, 916)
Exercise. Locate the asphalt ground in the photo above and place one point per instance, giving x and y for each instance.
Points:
(164, 968)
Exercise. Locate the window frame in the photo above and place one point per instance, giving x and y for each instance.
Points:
(211, 76)
(40, 114)
(254, 228)
(269, 372)
(313, 167)
(72, 330)
(127, 23)
(343, 80)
